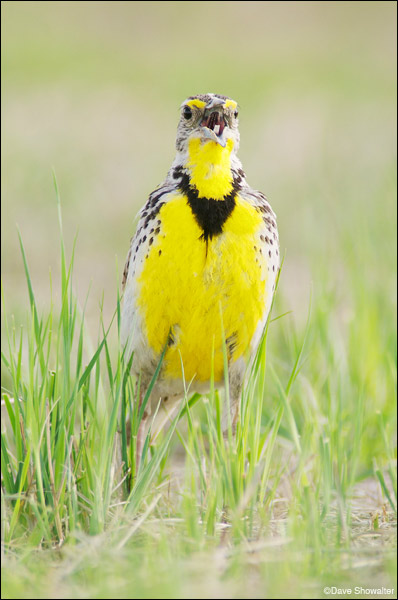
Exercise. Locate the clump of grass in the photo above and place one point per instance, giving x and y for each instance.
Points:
(271, 506)
(61, 444)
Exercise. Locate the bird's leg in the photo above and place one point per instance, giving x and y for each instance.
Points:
(232, 409)
(235, 413)
(165, 415)
(141, 429)
(231, 416)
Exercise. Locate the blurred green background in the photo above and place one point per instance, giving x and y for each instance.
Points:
(92, 89)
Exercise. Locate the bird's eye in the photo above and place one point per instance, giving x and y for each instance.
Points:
(236, 114)
(187, 112)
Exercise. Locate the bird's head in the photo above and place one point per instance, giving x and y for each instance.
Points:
(210, 118)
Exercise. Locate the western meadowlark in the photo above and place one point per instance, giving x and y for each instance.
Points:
(202, 265)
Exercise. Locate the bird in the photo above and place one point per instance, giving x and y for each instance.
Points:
(201, 270)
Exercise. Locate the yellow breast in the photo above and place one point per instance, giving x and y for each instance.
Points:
(186, 285)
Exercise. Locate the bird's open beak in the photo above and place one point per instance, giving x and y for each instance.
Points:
(213, 122)
(213, 126)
